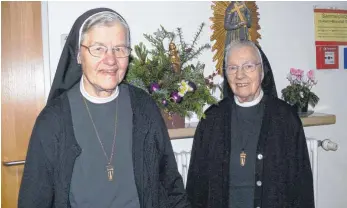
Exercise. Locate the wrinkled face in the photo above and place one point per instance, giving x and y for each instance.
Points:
(245, 83)
(106, 72)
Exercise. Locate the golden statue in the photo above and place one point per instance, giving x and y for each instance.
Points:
(174, 58)
(244, 25)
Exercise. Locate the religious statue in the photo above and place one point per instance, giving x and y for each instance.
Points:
(237, 20)
(174, 58)
(232, 21)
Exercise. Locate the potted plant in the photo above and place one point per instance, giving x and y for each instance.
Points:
(298, 93)
(167, 74)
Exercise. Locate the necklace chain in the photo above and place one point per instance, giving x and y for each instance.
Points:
(109, 159)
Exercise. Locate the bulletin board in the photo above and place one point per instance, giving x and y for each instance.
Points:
(330, 38)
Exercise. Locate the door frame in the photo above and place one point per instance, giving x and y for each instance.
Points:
(46, 48)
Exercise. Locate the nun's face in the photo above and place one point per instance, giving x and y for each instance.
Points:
(245, 81)
(102, 74)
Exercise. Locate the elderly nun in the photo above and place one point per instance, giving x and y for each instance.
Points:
(250, 151)
(99, 142)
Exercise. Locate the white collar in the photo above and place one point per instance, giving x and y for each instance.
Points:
(250, 103)
(97, 100)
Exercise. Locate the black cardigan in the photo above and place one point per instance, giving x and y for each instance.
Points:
(283, 172)
(53, 149)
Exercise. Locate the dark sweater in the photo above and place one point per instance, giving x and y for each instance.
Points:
(53, 149)
(282, 164)
(246, 124)
(91, 163)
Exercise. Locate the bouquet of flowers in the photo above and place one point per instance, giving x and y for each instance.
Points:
(166, 73)
(298, 92)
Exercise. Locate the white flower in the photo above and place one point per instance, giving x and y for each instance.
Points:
(184, 88)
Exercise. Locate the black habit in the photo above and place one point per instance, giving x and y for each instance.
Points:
(282, 170)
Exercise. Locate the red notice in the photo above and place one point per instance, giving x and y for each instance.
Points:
(327, 57)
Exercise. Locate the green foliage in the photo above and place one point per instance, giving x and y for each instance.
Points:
(299, 91)
(300, 95)
(154, 66)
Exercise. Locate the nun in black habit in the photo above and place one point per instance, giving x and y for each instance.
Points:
(252, 153)
(65, 163)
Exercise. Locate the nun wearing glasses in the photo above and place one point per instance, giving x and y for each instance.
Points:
(99, 142)
(250, 151)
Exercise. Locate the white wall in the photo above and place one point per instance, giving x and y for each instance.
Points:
(143, 17)
(287, 39)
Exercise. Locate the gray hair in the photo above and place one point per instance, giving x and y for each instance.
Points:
(239, 44)
(105, 18)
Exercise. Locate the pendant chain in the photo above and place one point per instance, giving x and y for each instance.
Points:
(109, 159)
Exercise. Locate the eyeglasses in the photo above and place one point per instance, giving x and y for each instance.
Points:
(100, 51)
(248, 67)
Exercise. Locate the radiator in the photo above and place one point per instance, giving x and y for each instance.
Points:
(312, 147)
(183, 158)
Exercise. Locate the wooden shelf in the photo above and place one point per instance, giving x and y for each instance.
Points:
(315, 119)
(318, 119)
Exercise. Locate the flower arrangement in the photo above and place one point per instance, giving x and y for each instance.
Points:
(166, 73)
(299, 93)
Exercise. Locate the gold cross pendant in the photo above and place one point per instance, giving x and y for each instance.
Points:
(243, 156)
(109, 169)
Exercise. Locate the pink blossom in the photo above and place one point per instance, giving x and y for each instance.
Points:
(300, 72)
(310, 75)
(297, 76)
(297, 72)
(293, 71)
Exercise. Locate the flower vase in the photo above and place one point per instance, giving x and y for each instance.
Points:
(301, 110)
(174, 121)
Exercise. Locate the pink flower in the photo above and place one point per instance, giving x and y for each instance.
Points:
(297, 72)
(310, 75)
(293, 71)
(297, 76)
(300, 72)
